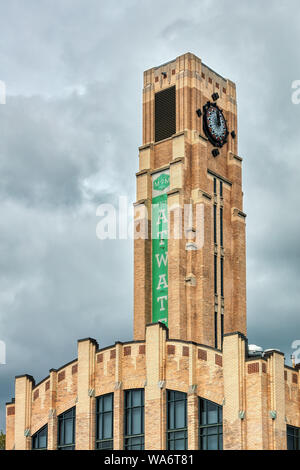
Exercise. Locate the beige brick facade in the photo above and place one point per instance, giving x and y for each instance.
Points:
(260, 396)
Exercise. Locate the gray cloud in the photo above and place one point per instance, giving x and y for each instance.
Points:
(64, 152)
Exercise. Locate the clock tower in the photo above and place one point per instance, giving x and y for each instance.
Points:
(189, 248)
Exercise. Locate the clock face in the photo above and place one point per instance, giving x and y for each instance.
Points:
(214, 125)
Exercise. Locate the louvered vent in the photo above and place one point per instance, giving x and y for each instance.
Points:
(165, 113)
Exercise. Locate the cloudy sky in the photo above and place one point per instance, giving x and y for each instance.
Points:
(69, 133)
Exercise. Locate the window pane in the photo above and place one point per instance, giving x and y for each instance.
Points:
(107, 428)
(180, 444)
(61, 432)
(68, 431)
(212, 442)
(107, 403)
(136, 398)
(203, 443)
(136, 421)
(180, 415)
(290, 443)
(68, 414)
(43, 439)
(212, 412)
(220, 441)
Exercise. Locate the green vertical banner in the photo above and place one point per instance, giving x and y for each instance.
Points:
(160, 187)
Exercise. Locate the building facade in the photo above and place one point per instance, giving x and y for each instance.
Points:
(188, 379)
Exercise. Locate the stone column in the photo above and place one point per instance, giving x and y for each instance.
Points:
(234, 391)
(23, 388)
(118, 401)
(85, 407)
(52, 417)
(277, 401)
(155, 394)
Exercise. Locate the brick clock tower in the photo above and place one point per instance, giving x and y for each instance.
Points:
(189, 251)
(188, 379)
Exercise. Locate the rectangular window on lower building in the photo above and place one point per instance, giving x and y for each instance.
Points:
(66, 430)
(134, 419)
(104, 421)
(176, 420)
(39, 439)
(210, 425)
(293, 438)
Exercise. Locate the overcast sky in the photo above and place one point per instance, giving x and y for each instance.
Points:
(69, 137)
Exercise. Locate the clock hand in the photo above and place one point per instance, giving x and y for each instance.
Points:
(218, 119)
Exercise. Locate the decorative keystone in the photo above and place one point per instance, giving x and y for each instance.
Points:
(273, 414)
(162, 182)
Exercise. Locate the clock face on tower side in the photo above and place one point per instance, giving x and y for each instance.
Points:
(214, 125)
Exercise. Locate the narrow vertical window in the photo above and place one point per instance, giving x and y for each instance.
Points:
(215, 186)
(176, 420)
(221, 188)
(216, 330)
(215, 223)
(39, 439)
(222, 329)
(66, 430)
(134, 420)
(222, 276)
(210, 425)
(221, 226)
(104, 421)
(216, 274)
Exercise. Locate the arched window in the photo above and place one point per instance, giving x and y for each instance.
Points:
(134, 419)
(104, 421)
(210, 425)
(40, 438)
(66, 430)
(176, 420)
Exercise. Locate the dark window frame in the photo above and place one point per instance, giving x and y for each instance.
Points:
(222, 329)
(216, 329)
(37, 436)
(62, 418)
(175, 434)
(222, 275)
(216, 274)
(101, 442)
(294, 433)
(134, 441)
(212, 429)
(221, 227)
(215, 224)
